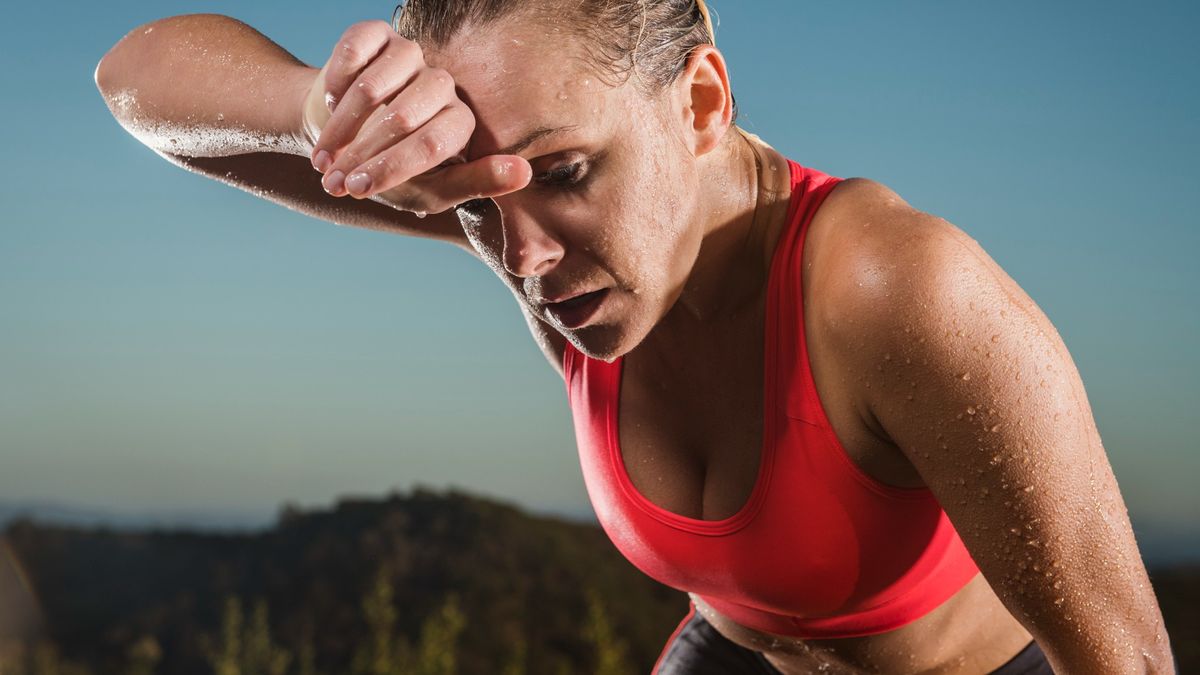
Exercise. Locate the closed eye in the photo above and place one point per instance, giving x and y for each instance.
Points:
(566, 175)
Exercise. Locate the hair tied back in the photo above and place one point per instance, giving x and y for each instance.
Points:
(712, 35)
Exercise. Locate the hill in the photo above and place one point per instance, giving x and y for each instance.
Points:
(531, 591)
(431, 583)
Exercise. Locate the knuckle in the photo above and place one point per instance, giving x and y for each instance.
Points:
(407, 49)
(367, 29)
(405, 120)
(379, 26)
(350, 53)
(430, 145)
(360, 40)
(461, 118)
(371, 87)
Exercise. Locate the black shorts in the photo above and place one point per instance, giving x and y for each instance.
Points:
(696, 648)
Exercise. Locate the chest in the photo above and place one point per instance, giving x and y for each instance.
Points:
(690, 421)
(690, 425)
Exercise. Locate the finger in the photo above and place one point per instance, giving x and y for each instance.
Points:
(438, 140)
(431, 92)
(357, 47)
(437, 191)
(373, 87)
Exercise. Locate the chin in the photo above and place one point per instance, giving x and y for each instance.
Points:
(605, 342)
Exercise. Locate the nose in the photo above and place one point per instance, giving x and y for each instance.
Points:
(529, 249)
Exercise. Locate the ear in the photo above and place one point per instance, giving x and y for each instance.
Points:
(707, 99)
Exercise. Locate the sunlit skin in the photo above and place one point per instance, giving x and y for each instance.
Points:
(616, 200)
(933, 367)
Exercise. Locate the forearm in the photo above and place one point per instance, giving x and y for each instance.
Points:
(205, 85)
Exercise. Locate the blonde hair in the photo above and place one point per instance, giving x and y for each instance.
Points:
(650, 38)
(712, 34)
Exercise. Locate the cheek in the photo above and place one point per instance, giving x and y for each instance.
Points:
(657, 227)
(487, 238)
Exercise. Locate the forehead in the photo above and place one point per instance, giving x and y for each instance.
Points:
(518, 76)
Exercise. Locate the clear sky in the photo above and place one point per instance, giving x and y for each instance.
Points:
(167, 342)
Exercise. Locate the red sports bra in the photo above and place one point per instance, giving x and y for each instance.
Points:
(820, 549)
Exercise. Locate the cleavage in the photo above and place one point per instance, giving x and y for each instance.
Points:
(690, 425)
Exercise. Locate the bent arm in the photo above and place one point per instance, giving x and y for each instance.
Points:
(216, 97)
(205, 85)
(970, 380)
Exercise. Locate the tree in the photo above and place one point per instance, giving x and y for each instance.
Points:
(610, 651)
(246, 650)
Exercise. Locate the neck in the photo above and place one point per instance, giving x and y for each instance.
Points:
(730, 271)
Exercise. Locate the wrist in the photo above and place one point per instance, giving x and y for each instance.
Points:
(313, 112)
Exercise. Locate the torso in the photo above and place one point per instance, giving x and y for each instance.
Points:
(691, 440)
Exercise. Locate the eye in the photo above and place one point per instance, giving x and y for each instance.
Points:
(565, 176)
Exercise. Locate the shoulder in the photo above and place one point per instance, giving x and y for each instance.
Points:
(890, 286)
(963, 373)
(874, 263)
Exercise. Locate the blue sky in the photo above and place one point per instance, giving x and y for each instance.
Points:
(167, 342)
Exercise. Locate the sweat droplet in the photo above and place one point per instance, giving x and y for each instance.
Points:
(971, 410)
(965, 376)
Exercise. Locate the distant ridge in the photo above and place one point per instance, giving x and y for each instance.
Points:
(520, 579)
(80, 515)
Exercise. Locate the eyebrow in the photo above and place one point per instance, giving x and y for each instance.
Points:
(533, 137)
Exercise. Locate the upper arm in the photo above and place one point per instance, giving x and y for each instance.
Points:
(966, 376)
(291, 181)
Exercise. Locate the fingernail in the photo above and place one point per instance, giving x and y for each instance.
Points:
(334, 182)
(322, 161)
(358, 183)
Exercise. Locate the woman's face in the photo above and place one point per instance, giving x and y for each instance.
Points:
(613, 197)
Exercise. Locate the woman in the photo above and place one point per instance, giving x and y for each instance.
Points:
(829, 417)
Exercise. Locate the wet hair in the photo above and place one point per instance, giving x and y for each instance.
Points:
(649, 39)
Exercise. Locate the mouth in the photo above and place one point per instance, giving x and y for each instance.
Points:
(579, 310)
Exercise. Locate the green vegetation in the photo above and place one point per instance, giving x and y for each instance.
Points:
(425, 584)
(247, 647)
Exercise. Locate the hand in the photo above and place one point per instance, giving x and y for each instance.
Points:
(387, 124)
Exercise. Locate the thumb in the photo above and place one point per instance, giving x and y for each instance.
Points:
(490, 176)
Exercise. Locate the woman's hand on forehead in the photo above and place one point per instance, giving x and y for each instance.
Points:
(394, 127)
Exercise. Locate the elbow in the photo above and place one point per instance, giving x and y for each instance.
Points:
(104, 73)
(113, 66)
(115, 69)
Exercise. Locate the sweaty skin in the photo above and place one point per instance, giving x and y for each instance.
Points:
(970, 633)
(935, 368)
(932, 365)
